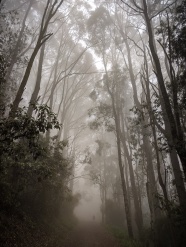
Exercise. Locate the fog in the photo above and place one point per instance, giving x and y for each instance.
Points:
(89, 204)
(93, 123)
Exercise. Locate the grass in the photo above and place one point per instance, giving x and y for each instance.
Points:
(123, 238)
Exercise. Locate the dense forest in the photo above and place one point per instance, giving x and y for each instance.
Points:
(95, 91)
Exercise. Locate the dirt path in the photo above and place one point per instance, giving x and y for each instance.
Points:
(90, 235)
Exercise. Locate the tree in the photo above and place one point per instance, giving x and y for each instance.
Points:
(49, 12)
(176, 136)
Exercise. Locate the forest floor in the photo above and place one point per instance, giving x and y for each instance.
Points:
(16, 232)
(90, 234)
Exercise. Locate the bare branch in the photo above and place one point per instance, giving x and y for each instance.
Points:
(162, 10)
(138, 10)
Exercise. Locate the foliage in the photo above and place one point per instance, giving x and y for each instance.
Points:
(173, 27)
(11, 50)
(179, 32)
(174, 221)
(13, 130)
(24, 158)
(123, 238)
(98, 27)
(33, 173)
(103, 116)
(113, 84)
(3, 69)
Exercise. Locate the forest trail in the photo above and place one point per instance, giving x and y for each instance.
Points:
(90, 234)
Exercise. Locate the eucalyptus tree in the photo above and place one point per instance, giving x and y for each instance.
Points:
(99, 173)
(128, 27)
(175, 135)
(159, 134)
(64, 74)
(14, 38)
(166, 132)
(73, 85)
(99, 26)
(16, 51)
(115, 30)
(50, 10)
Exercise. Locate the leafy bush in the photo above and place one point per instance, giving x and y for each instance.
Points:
(33, 174)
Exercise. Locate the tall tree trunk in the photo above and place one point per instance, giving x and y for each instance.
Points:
(173, 155)
(152, 123)
(177, 138)
(151, 176)
(51, 97)
(35, 93)
(16, 49)
(125, 164)
(21, 89)
(147, 145)
(49, 12)
(167, 133)
(123, 182)
(116, 111)
(138, 211)
(124, 189)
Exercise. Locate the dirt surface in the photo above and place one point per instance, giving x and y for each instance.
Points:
(90, 235)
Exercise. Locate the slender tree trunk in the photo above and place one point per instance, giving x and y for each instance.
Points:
(152, 123)
(177, 138)
(51, 97)
(115, 109)
(179, 178)
(21, 89)
(179, 182)
(38, 82)
(125, 164)
(123, 182)
(138, 211)
(125, 194)
(49, 12)
(147, 145)
(151, 176)
(167, 133)
(16, 49)
(72, 169)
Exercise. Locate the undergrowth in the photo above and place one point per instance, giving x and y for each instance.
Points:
(123, 237)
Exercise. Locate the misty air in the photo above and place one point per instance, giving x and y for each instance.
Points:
(93, 123)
